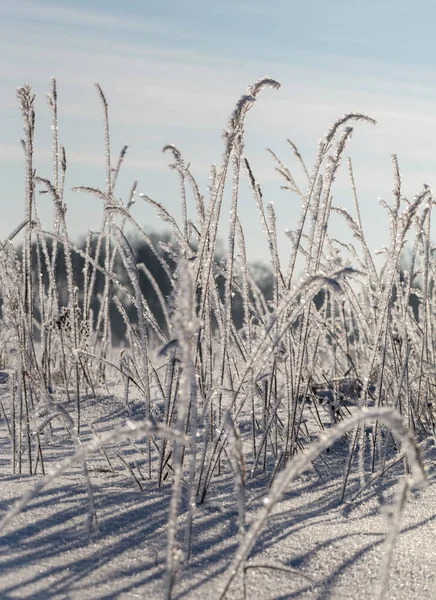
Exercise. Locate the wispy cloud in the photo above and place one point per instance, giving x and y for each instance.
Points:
(53, 14)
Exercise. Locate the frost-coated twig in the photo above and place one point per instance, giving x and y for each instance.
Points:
(185, 326)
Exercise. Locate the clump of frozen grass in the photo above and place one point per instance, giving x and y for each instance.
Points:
(268, 395)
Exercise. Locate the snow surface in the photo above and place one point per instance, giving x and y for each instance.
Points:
(46, 552)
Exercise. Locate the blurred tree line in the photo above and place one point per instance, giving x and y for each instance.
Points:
(261, 274)
(143, 254)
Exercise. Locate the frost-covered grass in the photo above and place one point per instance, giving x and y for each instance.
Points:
(329, 380)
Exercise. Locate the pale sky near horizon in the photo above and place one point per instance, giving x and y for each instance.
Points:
(172, 73)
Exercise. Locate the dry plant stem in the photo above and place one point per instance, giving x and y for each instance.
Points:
(116, 170)
(171, 376)
(72, 305)
(185, 174)
(129, 263)
(424, 354)
(160, 297)
(27, 101)
(238, 464)
(230, 266)
(103, 316)
(13, 421)
(53, 103)
(185, 327)
(247, 324)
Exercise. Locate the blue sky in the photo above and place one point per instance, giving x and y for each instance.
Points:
(172, 72)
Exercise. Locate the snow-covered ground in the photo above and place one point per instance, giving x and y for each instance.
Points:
(46, 552)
